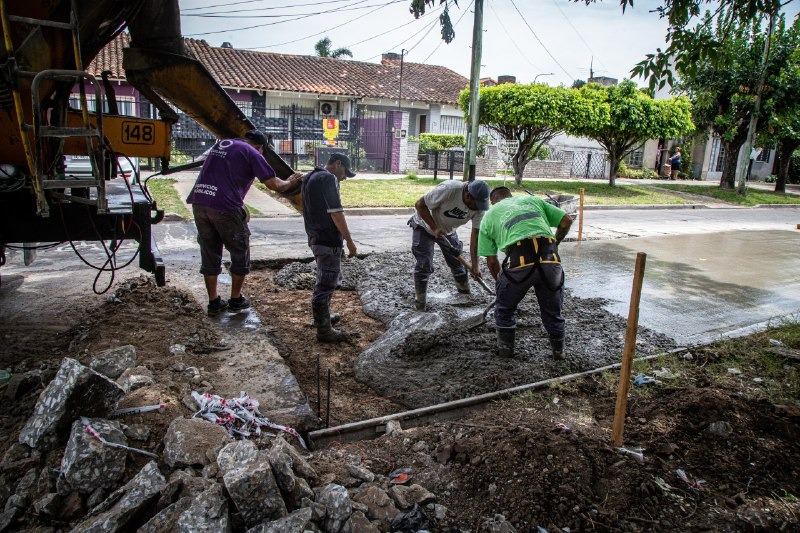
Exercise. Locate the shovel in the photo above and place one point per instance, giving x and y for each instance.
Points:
(474, 322)
(449, 247)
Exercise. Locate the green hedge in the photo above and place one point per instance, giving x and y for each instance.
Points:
(430, 142)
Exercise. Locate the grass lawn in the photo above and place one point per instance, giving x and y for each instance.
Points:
(167, 196)
(753, 196)
(404, 192)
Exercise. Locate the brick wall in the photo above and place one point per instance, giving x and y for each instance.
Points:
(487, 166)
(408, 162)
(549, 169)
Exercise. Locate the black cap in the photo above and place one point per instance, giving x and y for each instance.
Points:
(344, 160)
(256, 137)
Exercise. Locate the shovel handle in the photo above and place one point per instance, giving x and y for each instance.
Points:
(444, 242)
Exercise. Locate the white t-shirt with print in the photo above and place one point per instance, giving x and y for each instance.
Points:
(447, 206)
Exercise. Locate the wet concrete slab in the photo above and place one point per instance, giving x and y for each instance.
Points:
(697, 288)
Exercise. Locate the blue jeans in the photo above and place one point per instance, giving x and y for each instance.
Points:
(329, 271)
(422, 247)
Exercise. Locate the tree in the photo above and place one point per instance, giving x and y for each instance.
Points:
(577, 84)
(782, 126)
(323, 48)
(723, 90)
(532, 115)
(633, 118)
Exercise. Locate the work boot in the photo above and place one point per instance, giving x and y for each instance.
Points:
(420, 294)
(558, 347)
(505, 342)
(322, 321)
(462, 283)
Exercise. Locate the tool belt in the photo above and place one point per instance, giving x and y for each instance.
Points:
(532, 251)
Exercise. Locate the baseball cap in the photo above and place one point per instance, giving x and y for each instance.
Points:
(256, 137)
(479, 190)
(344, 160)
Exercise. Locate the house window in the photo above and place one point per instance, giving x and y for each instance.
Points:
(246, 107)
(634, 159)
(720, 164)
(763, 157)
(126, 105)
(423, 123)
(453, 126)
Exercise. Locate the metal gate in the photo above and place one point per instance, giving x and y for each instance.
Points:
(588, 165)
(297, 136)
(373, 147)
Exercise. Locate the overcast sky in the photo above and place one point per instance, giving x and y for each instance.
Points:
(557, 40)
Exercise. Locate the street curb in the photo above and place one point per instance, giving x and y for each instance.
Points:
(780, 206)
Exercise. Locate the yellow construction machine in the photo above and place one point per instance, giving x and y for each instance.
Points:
(45, 47)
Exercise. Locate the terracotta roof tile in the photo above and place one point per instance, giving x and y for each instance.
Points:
(248, 69)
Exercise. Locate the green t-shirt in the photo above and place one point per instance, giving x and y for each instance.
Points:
(514, 219)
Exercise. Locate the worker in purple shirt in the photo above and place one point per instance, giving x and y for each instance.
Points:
(217, 200)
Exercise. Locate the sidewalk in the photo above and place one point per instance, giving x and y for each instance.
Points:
(270, 207)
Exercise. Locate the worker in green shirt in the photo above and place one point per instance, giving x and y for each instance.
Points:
(521, 227)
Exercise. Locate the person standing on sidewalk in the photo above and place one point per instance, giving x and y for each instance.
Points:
(217, 199)
(327, 230)
(521, 227)
(438, 213)
(675, 164)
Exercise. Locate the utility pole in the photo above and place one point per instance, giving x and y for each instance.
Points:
(744, 155)
(400, 92)
(470, 157)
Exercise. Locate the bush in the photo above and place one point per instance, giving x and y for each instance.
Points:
(412, 175)
(430, 142)
(483, 141)
(544, 153)
(772, 178)
(794, 168)
(636, 174)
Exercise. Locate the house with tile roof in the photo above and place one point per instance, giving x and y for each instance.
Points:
(377, 106)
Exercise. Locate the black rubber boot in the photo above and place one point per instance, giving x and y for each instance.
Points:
(558, 347)
(420, 294)
(322, 321)
(505, 342)
(462, 283)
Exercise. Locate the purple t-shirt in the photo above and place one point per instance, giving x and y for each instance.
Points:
(227, 173)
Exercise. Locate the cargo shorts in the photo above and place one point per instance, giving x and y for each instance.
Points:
(218, 229)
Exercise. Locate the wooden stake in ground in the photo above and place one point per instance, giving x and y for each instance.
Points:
(580, 218)
(628, 351)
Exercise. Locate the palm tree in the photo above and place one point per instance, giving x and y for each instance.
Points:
(323, 48)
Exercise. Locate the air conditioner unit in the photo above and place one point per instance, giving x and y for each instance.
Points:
(328, 108)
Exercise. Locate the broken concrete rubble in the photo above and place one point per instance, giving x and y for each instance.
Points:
(297, 522)
(118, 509)
(250, 483)
(207, 512)
(114, 362)
(75, 390)
(135, 378)
(191, 441)
(337, 507)
(87, 463)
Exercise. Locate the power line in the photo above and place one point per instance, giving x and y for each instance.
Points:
(296, 18)
(412, 21)
(404, 41)
(454, 26)
(183, 10)
(227, 14)
(578, 34)
(540, 41)
(326, 30)
(511, 38)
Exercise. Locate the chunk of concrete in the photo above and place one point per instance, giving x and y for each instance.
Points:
(293, 488)
(166, 520)
(297, 522)
(250, 483)
(337, 505)
(207, 512)
(379, 505)
(113, 362)
(300, 466)
(406, 497)
(137, 496)
(75, 390)
(135, 378)
(193, 441)
(88, 463)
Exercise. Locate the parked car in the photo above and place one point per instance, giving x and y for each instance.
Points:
(79, 165)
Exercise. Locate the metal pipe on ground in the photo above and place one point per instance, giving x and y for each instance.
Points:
(374, 427)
